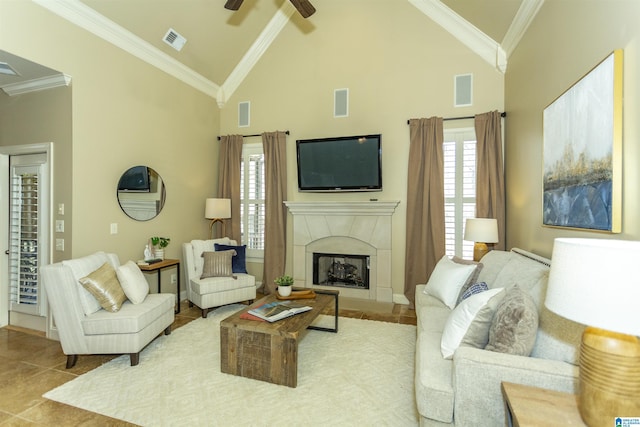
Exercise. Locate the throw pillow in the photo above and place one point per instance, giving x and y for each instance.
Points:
(473, 278)
(217, 264)
(461, 318)
(103, 284)
(133, 283)
(515, 324)
(81, 267)
(239, 261)
(476, 288)
(447, 279)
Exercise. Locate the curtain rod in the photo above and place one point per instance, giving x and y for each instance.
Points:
(503, 114)
(255, 134)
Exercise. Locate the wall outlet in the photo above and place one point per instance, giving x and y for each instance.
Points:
(60, 245)
(114, 228)
(174, 279)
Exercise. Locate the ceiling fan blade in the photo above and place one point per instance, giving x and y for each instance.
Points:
(305, 7)
(233, 4)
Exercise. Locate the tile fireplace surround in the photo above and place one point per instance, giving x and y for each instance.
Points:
(350, 228)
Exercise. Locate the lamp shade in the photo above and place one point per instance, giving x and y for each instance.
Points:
(483, 230)
(217, 208)
(596, 282)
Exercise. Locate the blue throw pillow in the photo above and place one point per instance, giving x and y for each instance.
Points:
(239, 261)
(476, 288)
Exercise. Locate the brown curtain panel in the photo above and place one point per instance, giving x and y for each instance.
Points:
(490, 172)
(425, 203)
(275, 235)
(229, 161)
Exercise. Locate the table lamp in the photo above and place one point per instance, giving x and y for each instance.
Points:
(217, 210)
(596, 282)
(481, 231)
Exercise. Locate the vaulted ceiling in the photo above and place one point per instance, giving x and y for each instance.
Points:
(222, 45)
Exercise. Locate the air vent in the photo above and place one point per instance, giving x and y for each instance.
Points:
(7, 69)
(173, 39)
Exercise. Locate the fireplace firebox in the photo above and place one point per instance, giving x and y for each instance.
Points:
(347, 271)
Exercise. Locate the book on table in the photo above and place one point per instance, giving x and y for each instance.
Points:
(277, 310)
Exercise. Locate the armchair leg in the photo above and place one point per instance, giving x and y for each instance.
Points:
(205, 311)
(71, 360)
(135, 358)
(167, 331)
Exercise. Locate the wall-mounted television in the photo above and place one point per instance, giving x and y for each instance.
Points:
(348, 163)
(135, 179)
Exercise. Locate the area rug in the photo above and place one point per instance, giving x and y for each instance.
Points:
(363, 375)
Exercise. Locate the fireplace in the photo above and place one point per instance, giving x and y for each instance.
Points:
(346, 271)
(349, 227)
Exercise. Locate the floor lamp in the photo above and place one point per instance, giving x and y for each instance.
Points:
(217, 210)
(481, 231)
(595, 282)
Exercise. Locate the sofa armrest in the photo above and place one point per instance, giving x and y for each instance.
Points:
(477, 375)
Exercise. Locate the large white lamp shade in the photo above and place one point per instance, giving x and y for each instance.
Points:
(596, 282)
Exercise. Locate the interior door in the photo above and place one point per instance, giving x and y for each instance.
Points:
(28, 242)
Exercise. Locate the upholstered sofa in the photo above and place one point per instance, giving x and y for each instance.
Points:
(214, 289)
(85, 327)
(465, 389)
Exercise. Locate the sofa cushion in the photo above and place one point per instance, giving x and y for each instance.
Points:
(217, 264)
(433, 387)
(133, 282)
(211, 285)
(515, 324)
(239, 260)
(447, 279)
(463, 316)
(103, 284)
(81, 267)
(131, 318)
(558, 338)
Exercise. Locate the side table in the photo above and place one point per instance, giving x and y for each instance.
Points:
(527, 406)
(157, 267)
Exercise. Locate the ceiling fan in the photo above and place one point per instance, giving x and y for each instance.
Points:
(305, 7)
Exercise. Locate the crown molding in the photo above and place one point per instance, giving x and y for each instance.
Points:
(83, 16)
(35, 85)
(524, 17)
(483, 45)
(255, 52)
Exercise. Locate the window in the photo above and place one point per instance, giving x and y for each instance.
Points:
(252, 194)
(459, 189)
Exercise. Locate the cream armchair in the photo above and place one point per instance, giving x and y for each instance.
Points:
(85, 331)
(210, 292)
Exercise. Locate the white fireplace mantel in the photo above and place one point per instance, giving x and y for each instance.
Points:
(373, 207)
(356, 227)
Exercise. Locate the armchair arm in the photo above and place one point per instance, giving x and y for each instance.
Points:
(477, 375)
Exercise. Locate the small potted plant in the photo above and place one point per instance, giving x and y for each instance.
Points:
(284, 282)
(159, 243)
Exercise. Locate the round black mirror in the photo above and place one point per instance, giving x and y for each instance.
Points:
(141, 193)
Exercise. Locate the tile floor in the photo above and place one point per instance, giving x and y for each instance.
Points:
(31, 365)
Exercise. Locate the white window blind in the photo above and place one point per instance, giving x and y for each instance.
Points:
(252, 195)
(459, 189)
(25, 253)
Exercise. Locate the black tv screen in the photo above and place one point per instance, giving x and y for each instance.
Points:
(135, 179)
(349, 163)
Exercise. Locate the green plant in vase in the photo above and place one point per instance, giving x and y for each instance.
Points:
(284, 282)
(159, 243)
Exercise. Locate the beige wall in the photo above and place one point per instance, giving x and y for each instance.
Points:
(124, 112)
(397, 65)
(566, 40)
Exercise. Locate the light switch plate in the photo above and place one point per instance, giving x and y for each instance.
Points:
(59, 225)
(60, 245)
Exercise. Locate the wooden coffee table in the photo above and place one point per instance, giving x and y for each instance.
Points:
(269, 351)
